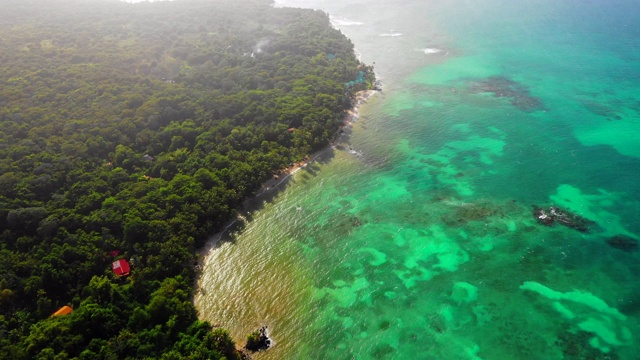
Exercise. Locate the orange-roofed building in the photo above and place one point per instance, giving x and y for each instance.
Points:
(63, 311)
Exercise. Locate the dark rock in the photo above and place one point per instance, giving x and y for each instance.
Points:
(244, 355)
(571, 220)
(556, 215)
(542, 216)
(258, 340)
(623, 242)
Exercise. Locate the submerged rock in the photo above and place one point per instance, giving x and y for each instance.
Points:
(542, 216)
(556, 215)
(623, 242)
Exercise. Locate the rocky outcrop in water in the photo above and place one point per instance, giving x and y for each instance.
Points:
(258, 340)
(554, 215)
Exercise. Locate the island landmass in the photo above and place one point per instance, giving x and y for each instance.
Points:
(130, 134)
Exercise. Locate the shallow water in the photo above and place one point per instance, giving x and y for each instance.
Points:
(417, 239)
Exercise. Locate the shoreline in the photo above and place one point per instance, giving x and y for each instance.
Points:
(283, 175)
(266, 193)
(280, 177)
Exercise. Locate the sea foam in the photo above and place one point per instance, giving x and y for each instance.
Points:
(429, 51)
(342, 21)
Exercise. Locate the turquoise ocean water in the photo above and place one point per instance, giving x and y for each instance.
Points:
(415, 238)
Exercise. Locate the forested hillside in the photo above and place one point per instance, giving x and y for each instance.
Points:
(133, 131)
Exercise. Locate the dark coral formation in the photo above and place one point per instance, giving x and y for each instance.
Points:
(501, 86)
(556, 215)
(623, 242)
(470, 212)
(575, 346)
(599, 109)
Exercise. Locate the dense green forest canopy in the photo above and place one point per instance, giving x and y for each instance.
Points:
(140, 129)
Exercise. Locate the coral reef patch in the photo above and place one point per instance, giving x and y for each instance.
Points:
(501, 86)
(623, 242)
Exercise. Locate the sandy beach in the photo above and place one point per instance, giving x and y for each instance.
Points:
(282, 175)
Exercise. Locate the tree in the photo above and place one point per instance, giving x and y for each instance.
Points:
(142, 128)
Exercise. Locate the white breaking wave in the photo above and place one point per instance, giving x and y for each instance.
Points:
(431, 51)
(393, 34)
(358, 54)
(342, 21)
(355, 153)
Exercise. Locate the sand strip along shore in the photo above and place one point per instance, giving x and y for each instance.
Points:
(281, 175)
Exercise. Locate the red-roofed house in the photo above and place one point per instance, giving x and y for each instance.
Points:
(120, 267)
